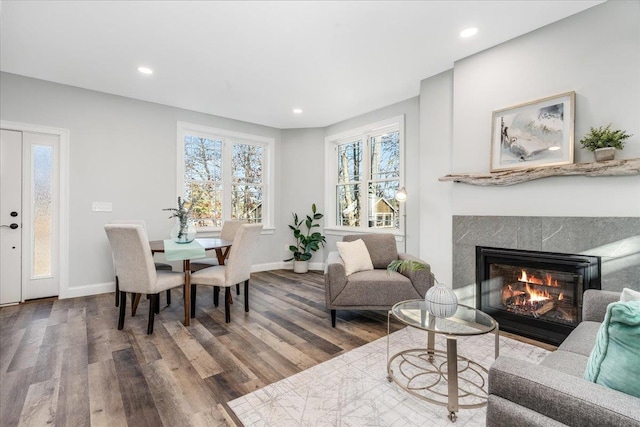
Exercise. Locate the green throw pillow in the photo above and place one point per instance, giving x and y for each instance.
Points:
(615, 359)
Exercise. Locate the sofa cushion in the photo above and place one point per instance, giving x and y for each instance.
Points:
(355, 256)
(615, 359)
(564, 361)
(582, 339)
(629, 295)
(382, 247)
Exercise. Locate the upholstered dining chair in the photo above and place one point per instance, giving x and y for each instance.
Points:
(136, 271)
(236, 269)
(228, 232)
(158, 265)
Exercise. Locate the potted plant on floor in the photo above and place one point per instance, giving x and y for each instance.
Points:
(306, 242)
(603, 142)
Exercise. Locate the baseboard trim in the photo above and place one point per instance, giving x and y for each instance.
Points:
(106, 287)
(93, 289)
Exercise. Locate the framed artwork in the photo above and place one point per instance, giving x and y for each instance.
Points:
(534, 134)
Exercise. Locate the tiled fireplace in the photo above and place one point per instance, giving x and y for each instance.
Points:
(614, 242)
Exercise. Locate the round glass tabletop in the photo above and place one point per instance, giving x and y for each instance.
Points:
(465, 321)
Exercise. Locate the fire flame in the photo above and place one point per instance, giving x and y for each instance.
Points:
(549, 281)
(536, 295)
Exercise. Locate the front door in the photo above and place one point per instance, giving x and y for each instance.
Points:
(29, 215)
(10, 216)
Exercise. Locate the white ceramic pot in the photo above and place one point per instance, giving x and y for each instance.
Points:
(441, 301)
(300, 266)
(604, 154)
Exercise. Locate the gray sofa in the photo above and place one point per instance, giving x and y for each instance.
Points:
(374, 289)
(554, 392)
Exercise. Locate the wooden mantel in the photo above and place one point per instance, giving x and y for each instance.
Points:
(608, 168)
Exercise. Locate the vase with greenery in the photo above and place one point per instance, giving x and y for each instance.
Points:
(603, 141)
(184, 231)
(307, 240)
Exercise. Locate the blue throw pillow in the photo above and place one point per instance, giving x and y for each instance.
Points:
(615, 359)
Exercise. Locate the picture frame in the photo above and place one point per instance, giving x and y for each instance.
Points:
(534, 134)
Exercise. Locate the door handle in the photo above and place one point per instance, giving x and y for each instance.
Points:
(12, 226)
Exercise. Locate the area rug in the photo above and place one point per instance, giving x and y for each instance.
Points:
(353, 390)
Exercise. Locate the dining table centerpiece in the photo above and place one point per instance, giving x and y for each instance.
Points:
(184, 231)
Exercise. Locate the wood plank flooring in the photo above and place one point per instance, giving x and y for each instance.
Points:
(63, 362)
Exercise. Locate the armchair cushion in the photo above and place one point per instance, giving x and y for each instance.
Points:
(355, 256)
(382, 247)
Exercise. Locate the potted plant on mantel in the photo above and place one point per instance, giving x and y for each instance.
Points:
(306, 242)
(603, 142)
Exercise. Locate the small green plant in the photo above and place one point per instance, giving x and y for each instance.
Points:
(603, 137)
(182, 214)
(309, 242)
(401, 266)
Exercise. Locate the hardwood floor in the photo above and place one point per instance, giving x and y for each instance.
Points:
(63, 362)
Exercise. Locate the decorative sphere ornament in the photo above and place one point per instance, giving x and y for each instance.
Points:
(441, 301)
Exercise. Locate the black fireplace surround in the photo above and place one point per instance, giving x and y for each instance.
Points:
(534, 294)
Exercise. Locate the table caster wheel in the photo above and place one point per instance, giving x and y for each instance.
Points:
(453, 417)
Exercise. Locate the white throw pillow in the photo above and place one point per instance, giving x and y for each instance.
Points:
(355, 256)
(629, 295)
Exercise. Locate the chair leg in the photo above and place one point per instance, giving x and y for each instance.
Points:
(333, 318)
(153, 305)
(123, 304)
(227, 306)
(156, 306)
(246, 295)
(168, 296)
(216, 295)
(117, 292)
(193, 301)
(237, 288)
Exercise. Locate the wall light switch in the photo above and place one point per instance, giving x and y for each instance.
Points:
(102, 207)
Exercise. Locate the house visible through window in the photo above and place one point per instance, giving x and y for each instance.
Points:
(224, 174)
(365, 172)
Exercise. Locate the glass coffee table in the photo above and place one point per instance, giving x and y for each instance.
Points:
(441, 377)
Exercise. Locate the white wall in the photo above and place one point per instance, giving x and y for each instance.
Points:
(302, 184)
(410, 108)
(121, 151)
(436, 126)
(596, 54)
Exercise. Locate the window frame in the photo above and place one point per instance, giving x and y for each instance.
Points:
(228, 139)
(331, 178)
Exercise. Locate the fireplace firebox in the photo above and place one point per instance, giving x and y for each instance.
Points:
(534, 294)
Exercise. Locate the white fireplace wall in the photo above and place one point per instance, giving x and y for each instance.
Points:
(596, 54)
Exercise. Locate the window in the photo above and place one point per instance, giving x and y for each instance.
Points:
(225, 174)
(365, 168)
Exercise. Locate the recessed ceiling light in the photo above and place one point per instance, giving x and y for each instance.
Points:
(297, 111)
(145, 70)
(469, 32)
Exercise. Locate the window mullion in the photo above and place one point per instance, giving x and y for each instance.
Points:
(366, 179)
(227, 150)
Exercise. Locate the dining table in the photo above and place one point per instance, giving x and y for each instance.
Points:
(221, 247)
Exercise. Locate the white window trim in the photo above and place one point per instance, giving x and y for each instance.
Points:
(269, 163)
(331, 177)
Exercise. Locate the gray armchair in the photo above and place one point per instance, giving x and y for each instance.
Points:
(374, 289)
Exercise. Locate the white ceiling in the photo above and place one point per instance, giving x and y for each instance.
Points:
(255, 61)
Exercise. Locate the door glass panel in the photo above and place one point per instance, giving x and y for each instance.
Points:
(42, 181)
